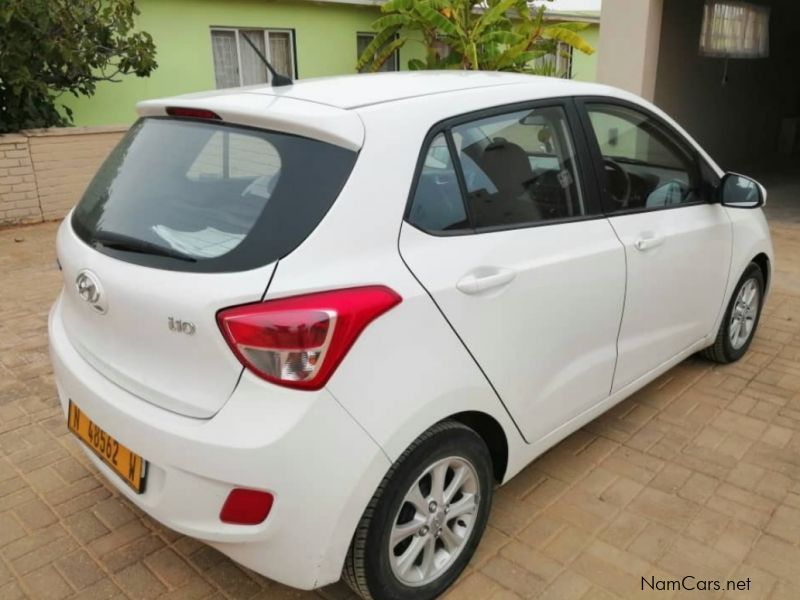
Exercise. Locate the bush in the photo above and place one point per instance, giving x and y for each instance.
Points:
(488, 35)
(52, 47)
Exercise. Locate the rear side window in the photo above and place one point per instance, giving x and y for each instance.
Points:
(519, 168)
(438, 205)
(201, 196)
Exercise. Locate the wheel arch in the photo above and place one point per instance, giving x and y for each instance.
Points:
(762, 260)
(493, 435)
(751, 244)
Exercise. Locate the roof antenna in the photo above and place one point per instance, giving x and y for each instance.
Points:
(278, 80)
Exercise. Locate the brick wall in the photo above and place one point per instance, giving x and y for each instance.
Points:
(19, 202)
(43, 172)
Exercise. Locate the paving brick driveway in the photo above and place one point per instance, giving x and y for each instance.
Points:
(698, 474)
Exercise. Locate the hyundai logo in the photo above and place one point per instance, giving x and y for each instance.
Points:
(90, 290)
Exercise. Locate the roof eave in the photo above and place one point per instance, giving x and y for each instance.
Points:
(549, 15)
(571, 16)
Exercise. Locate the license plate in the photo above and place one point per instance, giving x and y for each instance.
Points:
(129, 466)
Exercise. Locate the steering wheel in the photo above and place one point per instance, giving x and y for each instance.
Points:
(619, 180)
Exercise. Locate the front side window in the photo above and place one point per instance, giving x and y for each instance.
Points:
(519, 168)
(644, 164)
(237, 64)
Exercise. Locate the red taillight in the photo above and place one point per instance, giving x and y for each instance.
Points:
(246, 507)
(192, 113)
(299, 341)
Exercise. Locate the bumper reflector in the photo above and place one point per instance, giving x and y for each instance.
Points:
(246, 507)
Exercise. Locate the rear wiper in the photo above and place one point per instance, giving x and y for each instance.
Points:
(126, 243)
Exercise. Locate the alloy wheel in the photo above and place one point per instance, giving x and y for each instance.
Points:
(434, 522)
(744, 313)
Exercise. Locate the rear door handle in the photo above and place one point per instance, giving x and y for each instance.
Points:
(648, 240)
(475, 283)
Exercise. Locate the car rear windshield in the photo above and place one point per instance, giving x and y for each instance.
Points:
(193, 195)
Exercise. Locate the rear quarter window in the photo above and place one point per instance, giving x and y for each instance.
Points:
(202, 196)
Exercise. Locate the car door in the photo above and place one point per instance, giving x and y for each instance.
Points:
(512, 246)
(657, 193)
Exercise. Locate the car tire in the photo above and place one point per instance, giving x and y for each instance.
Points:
(741, 318)
(412, 516)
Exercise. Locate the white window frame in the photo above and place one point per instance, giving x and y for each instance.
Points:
(267, 54)
(565, 56)
(562, 60)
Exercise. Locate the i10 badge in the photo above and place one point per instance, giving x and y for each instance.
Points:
(179, 326)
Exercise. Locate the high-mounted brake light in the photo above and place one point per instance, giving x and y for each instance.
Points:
(299, 341)
(193, 113)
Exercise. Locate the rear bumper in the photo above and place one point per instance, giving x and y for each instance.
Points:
(302, 447)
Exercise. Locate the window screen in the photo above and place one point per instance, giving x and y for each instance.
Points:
(253, 69)
(281, 52)
(236, 63)
(226, 58)
(362, 41)
(735, 30)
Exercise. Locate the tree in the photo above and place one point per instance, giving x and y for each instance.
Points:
(49, 47)
(489, 35)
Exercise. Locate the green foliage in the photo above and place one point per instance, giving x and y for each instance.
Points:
(49, 47)
(489, 35)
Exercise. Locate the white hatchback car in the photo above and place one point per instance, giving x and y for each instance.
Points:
(315, 325)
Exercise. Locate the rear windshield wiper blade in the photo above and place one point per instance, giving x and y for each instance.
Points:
(126, 243)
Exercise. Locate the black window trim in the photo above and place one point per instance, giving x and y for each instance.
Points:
(582, 102)
(462, 181)
(587, 184)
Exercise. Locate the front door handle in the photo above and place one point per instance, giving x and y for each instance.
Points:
(477, 282)
(648, 240)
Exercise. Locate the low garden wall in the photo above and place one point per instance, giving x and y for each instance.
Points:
(43, 172)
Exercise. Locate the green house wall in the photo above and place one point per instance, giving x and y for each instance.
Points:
(325, 40)
(584, 66)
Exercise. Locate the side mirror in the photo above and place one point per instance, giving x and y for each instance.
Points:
(738, 191)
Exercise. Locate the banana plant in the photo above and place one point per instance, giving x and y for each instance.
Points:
(490, 35)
